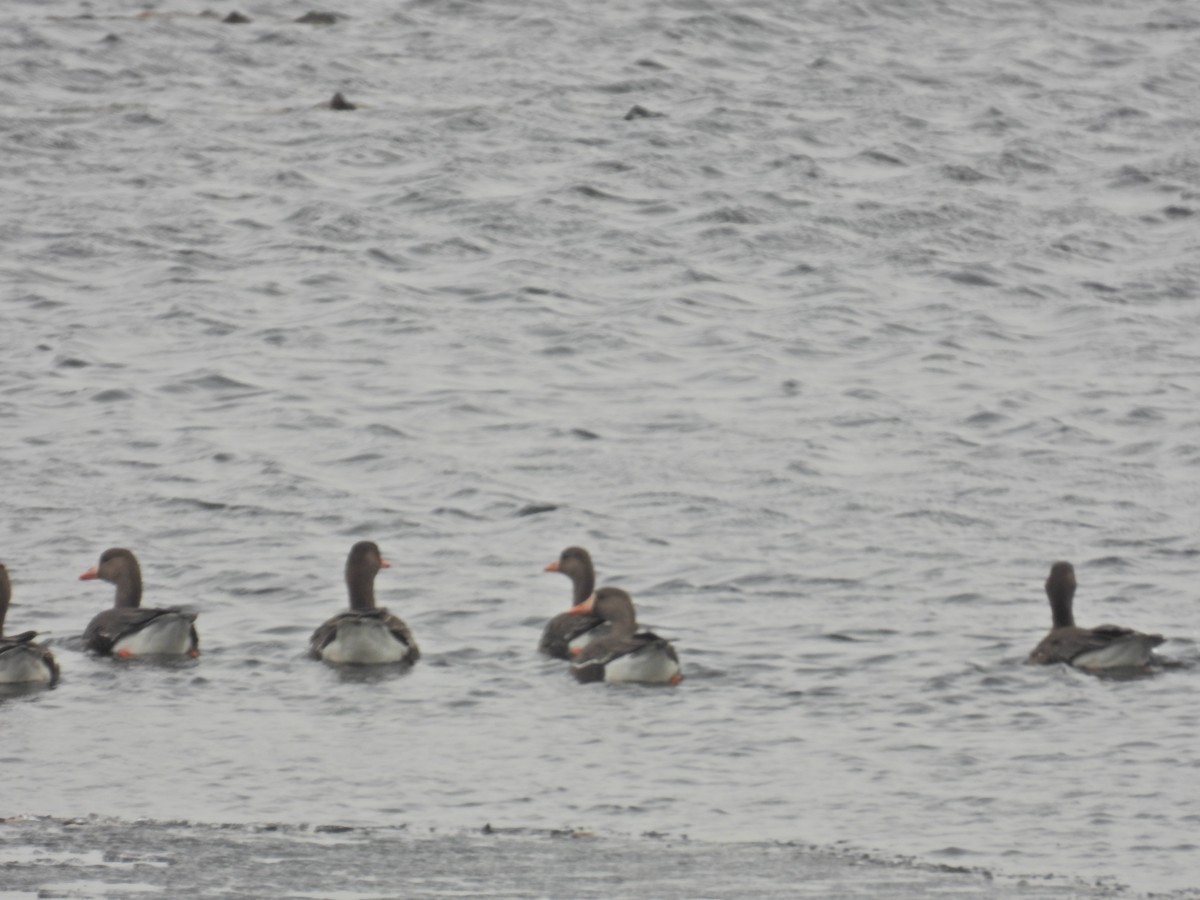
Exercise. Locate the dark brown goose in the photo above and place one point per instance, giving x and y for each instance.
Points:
(625, 655)
(573, 630)
(1103, 647)
(365, 634)
(128, 629)
(21, 660)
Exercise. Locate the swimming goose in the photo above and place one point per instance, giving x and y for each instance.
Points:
(129, 630)
(572, 631)
(1103, 647)
(624, 655)
(365, 634)
(22, 660)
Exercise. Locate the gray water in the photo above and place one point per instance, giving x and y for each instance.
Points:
(891, 307)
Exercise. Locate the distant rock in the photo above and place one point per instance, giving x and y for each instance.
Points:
(319, 18)
(640, 112)
(534, 509)
(340, 102)
(236, 18)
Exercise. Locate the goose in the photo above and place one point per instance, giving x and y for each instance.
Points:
(571, 630)
(365, 634)
(626, 654)
(21, 659)
(1103, 647)
(128, 629)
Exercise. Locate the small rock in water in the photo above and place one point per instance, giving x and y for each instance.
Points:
(318, 18)
(640, 112)
(534, 508)
(235, 18)
(340, 102)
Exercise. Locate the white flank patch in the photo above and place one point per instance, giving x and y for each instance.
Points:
(1128, 652)
(22, 665)
(649, 666)
(364, 642)
(168, 635)
(594, 634)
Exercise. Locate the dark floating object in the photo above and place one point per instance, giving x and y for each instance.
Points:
(640, 112)
(365, 634)
(110, 38)
(1102, 647)
(340, 102)
(534, 509)
(236, 18)
(128, 629)
(318, 18)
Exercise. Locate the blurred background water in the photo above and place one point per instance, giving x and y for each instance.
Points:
(882, 309)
